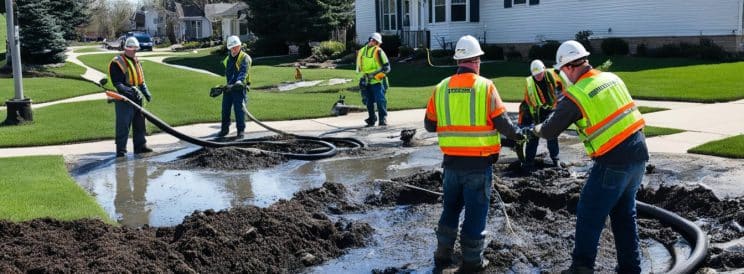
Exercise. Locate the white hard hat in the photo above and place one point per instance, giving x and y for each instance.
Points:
(131, 43)
(233, 41)
(467, 47)
(568, 52)
(536, 67)
(377, 37)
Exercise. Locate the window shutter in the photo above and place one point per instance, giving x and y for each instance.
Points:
(399, 13)
(431, 9)
(377, 15)
(507, 4)
(534, 2)
(474, 11)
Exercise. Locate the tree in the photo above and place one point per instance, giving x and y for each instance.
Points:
(336, 17)
(41, 37)
(70, 14)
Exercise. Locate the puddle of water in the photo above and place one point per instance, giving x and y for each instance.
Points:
(148, 191)
(302, 84)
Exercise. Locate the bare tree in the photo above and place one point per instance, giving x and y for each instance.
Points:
(110, 17)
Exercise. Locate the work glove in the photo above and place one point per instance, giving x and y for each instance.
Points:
(147, 94)
(216, 91)
(134, 94)
(528, 133)
(379, 76)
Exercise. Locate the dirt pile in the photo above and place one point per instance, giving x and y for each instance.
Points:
(284, 237)
(398, 191)
(228, 158)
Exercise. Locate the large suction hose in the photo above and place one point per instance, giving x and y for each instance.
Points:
(328, 151)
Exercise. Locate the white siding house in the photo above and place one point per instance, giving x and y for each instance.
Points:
(533, 21)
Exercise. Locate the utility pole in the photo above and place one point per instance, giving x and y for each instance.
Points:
(19, 108)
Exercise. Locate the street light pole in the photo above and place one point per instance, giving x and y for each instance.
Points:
(19, 108)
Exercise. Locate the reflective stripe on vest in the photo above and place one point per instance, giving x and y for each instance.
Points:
(462, 105)
(535, 98)
(370, 61)
(241, 57)
(132, 70)
(609, 113)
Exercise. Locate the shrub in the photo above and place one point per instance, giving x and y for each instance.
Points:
(405, 51)
(191, 45)
(272, 46)
(706, 49)
(544, 51)
(513, 54)
(439, 53)
(642, 50)
(390, 44)
(583, 38)
(493, 52)
(711, 51)
(615, 46)
(420, 53)
(327, 50)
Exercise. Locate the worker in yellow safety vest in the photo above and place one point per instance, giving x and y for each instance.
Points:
(373, 66)
(237, 74)
(610, 126)
(125, 72)
(468, 115)
(540, 97)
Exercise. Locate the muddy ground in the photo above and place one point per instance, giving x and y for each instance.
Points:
(282, 238)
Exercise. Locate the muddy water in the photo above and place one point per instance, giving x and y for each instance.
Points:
(152, 191)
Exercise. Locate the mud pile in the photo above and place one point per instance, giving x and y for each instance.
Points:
(284, 237)
(228, 158)
(541, 207)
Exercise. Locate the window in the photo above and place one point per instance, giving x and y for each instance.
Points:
(388, 15)
(439, 10)
(510, 3)
(243, 28)
(458, 10)
(518, 2)
(407, 13)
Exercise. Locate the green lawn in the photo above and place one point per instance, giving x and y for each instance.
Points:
(45, 89)
(651, 131)
(645, 110)
(89, 49)
(732, 147)
(3, 37)
(28, 193)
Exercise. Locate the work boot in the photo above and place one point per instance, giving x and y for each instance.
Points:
(143, 149)
(473, 267)
(222, 133)
(120, 154)
(382, 123)
(239, 135)
(578, 270)
(370, 122)
(443, 257)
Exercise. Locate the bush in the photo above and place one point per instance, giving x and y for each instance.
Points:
(439, 53)
(711, 51)
(328, 50)
(405, 51)
(615, 46)
(390, 44)
(191, 45)
(706, 49)
(272, 46)
(493, 52)
(544, 51)
(420, 53)
(513, 54)
(583, 38)
(642, 50)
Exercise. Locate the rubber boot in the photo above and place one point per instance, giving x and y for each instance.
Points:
(578, 270)
(445, 246)
(472, 255)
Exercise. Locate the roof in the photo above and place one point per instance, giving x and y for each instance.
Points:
(233, 10)
(210, 10)
(188, 10)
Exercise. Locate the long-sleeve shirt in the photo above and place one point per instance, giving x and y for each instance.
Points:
(119, 79)
(231, 74)
(502, 123)
(633, 149)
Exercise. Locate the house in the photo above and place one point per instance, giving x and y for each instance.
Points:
(150, 19)
(522, 23)
(231, 19)
(191, 24)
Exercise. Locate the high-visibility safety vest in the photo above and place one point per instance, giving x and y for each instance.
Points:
(241, 57)
(371, 59)
(132, 70)
(463, 103)
(609, 114)
(536, 98)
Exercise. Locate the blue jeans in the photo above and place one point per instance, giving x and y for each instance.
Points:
(470, 189)
(235, 100)
(127, 116)
(531, 149)
(609, 190)
(375, 94)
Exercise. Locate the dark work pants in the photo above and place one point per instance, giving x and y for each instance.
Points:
(233, 100)
(127, 116)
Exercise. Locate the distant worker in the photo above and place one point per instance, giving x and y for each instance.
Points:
(540, 94)
(610, 126)
(373, 65)
(237, 72)
(467, 113)
(126, 75)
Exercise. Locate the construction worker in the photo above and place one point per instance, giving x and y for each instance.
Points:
(125, 72)
(467, 113)
(610, 126)
(237, 72)
(373, 65)
(540, 94)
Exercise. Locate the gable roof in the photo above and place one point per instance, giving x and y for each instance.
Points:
(188, 10)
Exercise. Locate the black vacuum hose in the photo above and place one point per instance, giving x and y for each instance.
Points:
(330, 150)
(692, 233)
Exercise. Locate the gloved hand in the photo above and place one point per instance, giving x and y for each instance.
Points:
(379, 76)
(134, 94)
(237, 87)
(528, 132)
(147, 94)
(216, 91)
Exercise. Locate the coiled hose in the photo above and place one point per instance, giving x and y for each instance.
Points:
(327, 149)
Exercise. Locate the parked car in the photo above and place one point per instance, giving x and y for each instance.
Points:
(145, 40)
